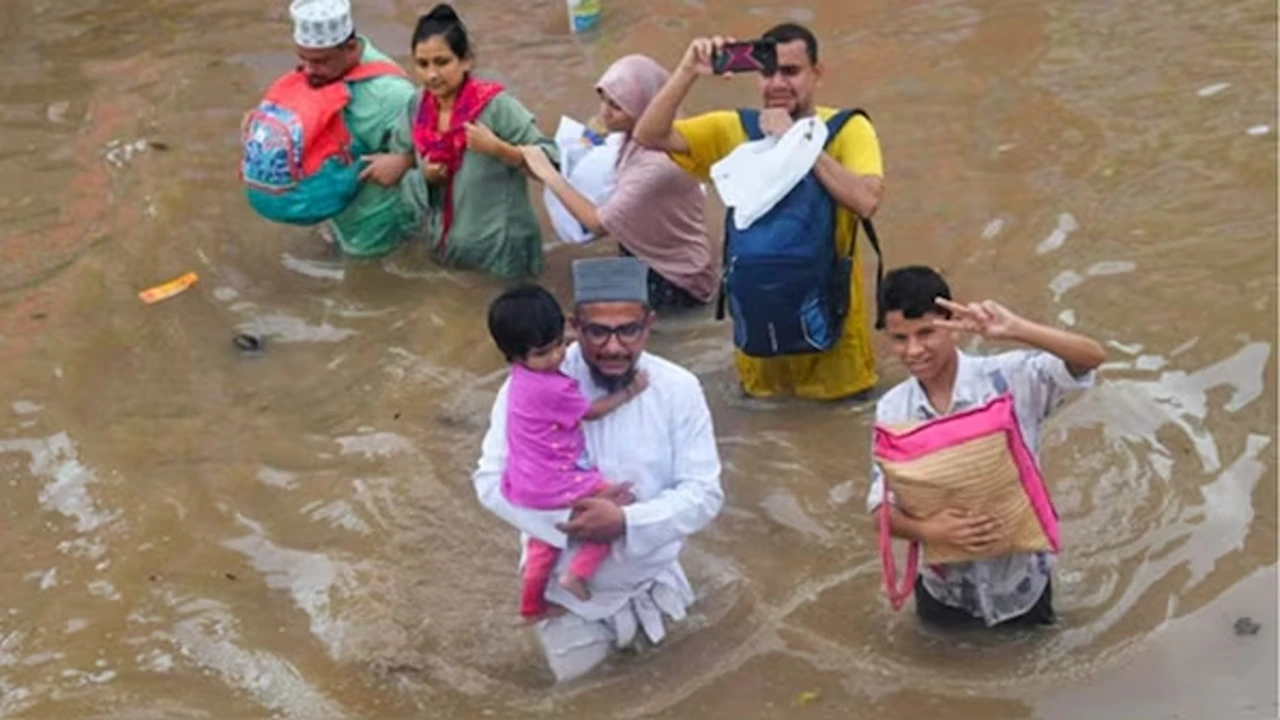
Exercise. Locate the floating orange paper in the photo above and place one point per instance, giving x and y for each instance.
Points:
(169, 289)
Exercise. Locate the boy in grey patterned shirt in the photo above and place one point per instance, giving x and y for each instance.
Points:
(923, 325)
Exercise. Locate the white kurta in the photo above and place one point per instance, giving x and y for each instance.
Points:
(662, 442)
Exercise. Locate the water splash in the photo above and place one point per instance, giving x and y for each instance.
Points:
(308, 577)
(1066, 225)
(24, 407)
(1111, 267)
(318, 269)
(289, 329)
(1064, 281)
(375, 445)
(1214, 89)
(1134, 414)
(783, 508)
(207, 634)
(56, 457)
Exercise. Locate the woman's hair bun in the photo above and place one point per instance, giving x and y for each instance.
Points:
(443, 12)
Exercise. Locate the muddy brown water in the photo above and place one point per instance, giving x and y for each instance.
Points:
(187, 532)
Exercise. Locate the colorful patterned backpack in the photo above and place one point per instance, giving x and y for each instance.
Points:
(301, 164)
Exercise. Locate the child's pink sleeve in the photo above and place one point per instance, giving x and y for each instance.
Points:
(568, 405)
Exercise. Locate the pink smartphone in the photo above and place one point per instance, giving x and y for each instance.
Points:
(751, 56)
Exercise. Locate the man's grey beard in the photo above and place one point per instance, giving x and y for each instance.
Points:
(612, 383)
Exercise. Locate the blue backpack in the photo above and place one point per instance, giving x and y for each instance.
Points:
(786, 287)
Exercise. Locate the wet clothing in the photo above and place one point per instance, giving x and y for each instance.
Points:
(664, 294)
(547, 466)
(656, 211)
(1002, 588)
(849, 367)
(493, 227)
(662, 442)
(379, 218)
(540, 559)
(945, 617)
(448, 147)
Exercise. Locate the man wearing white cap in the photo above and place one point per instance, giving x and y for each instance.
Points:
(329, 51)
(661, 444)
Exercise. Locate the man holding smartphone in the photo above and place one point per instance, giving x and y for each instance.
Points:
(850, 170)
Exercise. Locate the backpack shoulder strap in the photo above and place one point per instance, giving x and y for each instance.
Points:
(869, 229)
(750, 120)
(375, 68)
(837, 122)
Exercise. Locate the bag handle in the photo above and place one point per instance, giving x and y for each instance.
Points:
(897, 594)
(870, 231)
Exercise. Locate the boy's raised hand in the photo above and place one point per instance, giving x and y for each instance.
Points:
(988, 318)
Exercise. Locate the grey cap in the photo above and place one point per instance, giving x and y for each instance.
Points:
(620, 279)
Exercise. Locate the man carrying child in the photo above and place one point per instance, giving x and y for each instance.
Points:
(659, 443)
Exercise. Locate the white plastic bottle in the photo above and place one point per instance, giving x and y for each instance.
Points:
(583, 15)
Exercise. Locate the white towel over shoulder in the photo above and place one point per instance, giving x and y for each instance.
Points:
(756, 175)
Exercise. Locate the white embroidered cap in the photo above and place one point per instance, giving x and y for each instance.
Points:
(321, 24)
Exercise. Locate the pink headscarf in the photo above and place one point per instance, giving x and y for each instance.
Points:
(656, 212)
(632, 82)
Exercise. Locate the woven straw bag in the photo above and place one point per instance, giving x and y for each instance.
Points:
(972, 460)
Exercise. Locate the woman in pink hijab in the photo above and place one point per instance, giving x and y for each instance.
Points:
(656, 211)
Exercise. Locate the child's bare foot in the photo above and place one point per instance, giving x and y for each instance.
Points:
(575, 586)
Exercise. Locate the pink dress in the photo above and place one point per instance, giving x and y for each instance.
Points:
(547, 466)
(547, 469)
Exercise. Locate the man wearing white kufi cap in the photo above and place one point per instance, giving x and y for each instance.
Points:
(322, 24)
(371, 216)
(661, 443)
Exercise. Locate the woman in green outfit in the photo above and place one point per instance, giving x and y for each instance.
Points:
(466, 135)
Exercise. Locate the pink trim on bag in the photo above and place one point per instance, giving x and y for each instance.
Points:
(997, 415)
(897, 595)
(946, 431)
(1033, 485)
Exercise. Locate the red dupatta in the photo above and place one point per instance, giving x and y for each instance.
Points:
(449, 146)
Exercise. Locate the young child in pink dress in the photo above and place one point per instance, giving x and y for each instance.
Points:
(547, 466)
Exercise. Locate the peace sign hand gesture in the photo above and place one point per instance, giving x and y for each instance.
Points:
(988, 318)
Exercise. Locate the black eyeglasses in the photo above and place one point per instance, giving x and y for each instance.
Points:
(598, 334)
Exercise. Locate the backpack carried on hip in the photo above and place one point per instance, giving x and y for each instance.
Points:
(300, 163)
(786, 286)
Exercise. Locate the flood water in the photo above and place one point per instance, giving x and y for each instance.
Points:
(189, 532)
